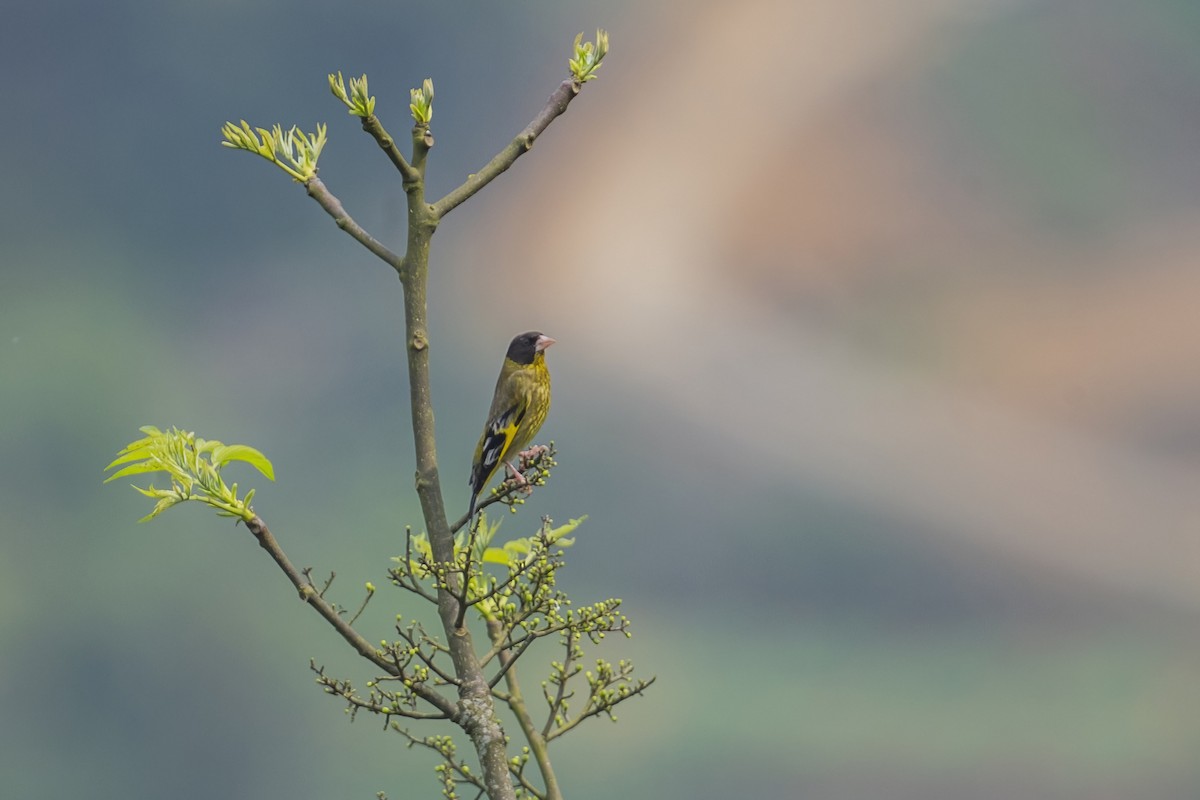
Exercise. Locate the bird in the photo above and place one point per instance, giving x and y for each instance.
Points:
(519, 407)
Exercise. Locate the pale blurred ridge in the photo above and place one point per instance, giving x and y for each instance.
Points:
(830, 274)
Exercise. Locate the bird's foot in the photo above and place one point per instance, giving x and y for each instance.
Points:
(522, 483)
(532, 454)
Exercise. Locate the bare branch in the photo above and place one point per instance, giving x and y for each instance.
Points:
(427, 658)
(403, 577)
(509, 658)
(516, 703)
(333, 207)
(556, 104)
(456, 772)
(558, 704)
(309, 595)
(608, 688)
(363, 607)
(373, 704)
(373, 126)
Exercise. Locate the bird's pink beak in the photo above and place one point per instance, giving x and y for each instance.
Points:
(543, 342)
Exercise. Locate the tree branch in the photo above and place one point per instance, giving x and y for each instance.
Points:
(516, 702)
(310, 595)
(535, 473)
(345, 691)
(568, 670)
(429, 659)
(333, 207)
(373, 126)
(444, 748)
(556, 104)
(476, 712)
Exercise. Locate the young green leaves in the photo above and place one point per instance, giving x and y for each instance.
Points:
(361, 104)
(588, 57)
(194, 468)
(294, 151)
(359, 100)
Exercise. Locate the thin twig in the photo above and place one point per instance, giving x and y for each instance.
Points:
(508, 659)
(562, 694)
(404, 577)
(468, 561)
(465, 775)
(375, 706)
(362, 608)
(427, 658)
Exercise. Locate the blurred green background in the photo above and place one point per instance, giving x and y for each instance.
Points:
(876, 377)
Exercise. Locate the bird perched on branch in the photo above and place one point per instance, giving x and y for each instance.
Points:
(519, 408)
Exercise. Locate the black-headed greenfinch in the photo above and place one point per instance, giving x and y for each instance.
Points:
(519, 407)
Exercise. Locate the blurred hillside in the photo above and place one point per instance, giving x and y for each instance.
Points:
(946, 258)
(875, 377)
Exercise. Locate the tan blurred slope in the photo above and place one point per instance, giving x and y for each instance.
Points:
(750, 203)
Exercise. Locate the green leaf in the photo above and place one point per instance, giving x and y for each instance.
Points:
(556, 535)
(160, 507)
(223, 454)
(150, 491)
(337, 85)
(497, 555)
(130, 454)
(519, 546)
(134, 469)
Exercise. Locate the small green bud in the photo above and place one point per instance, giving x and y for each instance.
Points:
(421, 104)
(587, 60)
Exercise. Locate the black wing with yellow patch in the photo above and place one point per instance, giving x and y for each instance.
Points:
(494, 446)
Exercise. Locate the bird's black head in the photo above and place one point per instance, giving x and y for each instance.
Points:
(527, 345)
